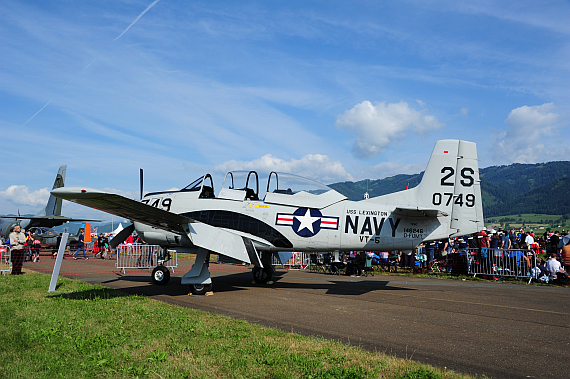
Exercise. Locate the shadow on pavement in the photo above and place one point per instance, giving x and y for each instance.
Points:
(244, 282)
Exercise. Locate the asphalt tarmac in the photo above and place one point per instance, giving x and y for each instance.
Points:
(489, 329)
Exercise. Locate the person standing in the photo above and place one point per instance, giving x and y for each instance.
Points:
(17, 241)
(506, 241)
(28, 244)
(554, 242)
(529, 240)
(566, 258)
(101, 246)
(80, 245)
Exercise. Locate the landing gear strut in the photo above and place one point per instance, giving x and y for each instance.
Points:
(199, 276)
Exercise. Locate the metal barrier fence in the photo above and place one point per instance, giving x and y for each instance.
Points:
(5, 260)
(298, 261)
(144, 256)
(514, 263)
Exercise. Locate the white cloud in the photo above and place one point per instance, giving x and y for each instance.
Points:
(523, 141)
(21, 195)
(377, 126)
(464, 112)
(314, 166)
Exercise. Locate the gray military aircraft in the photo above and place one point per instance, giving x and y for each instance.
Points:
(48, 217)
(297, 214)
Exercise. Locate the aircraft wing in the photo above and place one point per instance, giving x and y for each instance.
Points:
(418, 212)
(124, 207)
(202, 235)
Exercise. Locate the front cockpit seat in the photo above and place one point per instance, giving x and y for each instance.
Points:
(207, 193)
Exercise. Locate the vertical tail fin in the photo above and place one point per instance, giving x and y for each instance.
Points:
(451, 184)
(53, 207)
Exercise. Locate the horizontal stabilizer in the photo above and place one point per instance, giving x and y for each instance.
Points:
(418, 212)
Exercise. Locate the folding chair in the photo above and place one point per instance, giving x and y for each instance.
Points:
(327, 258)
(314, 265)
(368, 267)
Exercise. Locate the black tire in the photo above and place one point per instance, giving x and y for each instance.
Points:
(200, 289)
(262, 275)
(160, 275)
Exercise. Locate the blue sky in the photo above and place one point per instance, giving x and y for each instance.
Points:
(333, 91)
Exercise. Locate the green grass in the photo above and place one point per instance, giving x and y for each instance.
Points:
(88, 331)
(532, 221)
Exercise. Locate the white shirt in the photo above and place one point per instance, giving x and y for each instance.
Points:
(529, 240)
(553, 266)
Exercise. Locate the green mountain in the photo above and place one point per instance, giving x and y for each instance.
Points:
(506, 190)
(355, 190)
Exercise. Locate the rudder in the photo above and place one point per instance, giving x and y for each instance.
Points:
(53, 207)
(451, 184)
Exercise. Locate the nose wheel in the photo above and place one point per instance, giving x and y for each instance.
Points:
(160, 275)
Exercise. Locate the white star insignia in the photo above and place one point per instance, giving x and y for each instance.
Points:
(307, 221)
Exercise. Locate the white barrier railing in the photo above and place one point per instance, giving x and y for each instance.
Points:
(145, 256)
(298, 261)
(516, 263)
(5, 259)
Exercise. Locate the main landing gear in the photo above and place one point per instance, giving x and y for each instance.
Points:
(200, 289)
(263, 275)
(199, 276)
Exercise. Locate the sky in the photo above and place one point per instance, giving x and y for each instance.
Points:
(333, 91)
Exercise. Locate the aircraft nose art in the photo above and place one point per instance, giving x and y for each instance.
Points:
(307, 222)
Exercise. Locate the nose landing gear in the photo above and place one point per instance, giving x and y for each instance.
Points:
(160, 275)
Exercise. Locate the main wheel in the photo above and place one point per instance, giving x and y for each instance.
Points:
(160, 275)
(262, 275)
(200, 289)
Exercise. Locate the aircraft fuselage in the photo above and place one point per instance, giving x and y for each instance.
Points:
(344, 225)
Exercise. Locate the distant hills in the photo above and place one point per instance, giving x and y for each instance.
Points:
(506, 190)
(102, 227)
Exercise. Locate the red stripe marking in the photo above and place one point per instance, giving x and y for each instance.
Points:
(285, 219)
(328, 222)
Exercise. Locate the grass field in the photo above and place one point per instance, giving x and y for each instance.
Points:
(531, 221)
(87, 331)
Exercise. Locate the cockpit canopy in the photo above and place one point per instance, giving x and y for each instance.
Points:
(289, 189)
(289, 184)
(204, 184)
(282, 188)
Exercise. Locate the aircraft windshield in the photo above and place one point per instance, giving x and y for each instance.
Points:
(290, 184)
(194, 186)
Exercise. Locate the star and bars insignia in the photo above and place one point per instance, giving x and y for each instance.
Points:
(307, 222)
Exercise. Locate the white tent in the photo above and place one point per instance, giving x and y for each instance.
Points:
(118, 230)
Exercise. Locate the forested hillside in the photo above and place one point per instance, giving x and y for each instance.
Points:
(517, 188)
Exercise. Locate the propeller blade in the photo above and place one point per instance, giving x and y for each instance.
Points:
(141, 182)
(122, 236)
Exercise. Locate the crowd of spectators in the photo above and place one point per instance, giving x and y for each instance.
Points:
(549, 252)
